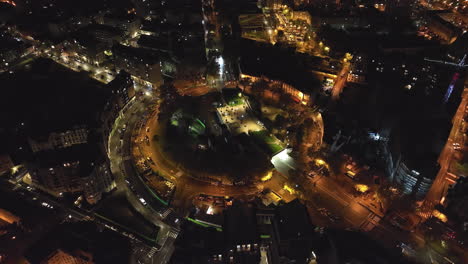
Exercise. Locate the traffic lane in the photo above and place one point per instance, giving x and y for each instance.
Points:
(196, 186)
(353, 213)
(337, 203)
(319, 219)
(154, 151)
(149, 214)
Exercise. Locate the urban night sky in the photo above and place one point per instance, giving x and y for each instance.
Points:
(233, 131)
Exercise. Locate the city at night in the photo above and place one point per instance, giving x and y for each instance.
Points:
(233, 132)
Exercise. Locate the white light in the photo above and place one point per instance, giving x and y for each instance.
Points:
(283, 155)
(209, 211)
(220, 62)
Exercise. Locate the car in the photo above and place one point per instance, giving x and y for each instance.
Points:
(323, 211)
(334, 218)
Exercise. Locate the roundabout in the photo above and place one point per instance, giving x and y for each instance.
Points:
(201, 148)
(172, 154)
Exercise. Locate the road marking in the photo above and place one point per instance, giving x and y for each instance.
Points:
(341, 201)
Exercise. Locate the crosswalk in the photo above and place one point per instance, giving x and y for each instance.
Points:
(371, 221)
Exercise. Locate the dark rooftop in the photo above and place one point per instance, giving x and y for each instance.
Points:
(240, 224)
(293, 221)
(57, 100)
(276, 63)
(87, 155)
(104, 245)
(145, 55)
(158, 43)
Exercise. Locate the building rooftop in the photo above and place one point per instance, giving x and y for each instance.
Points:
(8, 43)
(88, 155)
(94, 29)
(276, 63)
(144, 55)
(293, 221)
(240, 224)
(58, 99)
(104, 245)
(158, 43)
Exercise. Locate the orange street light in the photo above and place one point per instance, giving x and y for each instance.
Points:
(442, 217)
(267, 177)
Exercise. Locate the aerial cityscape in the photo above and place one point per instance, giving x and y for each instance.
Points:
(233, 131)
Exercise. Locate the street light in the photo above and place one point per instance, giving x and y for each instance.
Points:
(267, 176)
(320, 162)
(362, 188)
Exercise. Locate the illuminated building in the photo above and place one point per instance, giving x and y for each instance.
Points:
(142, 63)
(73, 169)
(104, 33)
(123, 91)
(456, 204)
(272, 4)
(12, 49)
(98, 182)
(242, 239)
(62, 257)
(358, 70)
(412, 181)
(55, 140)
(90, 50)
(445, 30)
(129, 23)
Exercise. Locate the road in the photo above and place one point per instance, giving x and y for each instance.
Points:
(449, 155)
(186, 88)
(340, 82)
(324, 192)
(127, 179)
(62, 210)
(192, 185)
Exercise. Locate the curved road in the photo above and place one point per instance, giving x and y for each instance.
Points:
(119, 153)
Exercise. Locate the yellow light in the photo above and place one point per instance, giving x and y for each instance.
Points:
(267, 176)
(320, 162)
(440, 216)
(14, 169)
(326, 49)
(320, 43)
(361, 188)
(289, 189)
